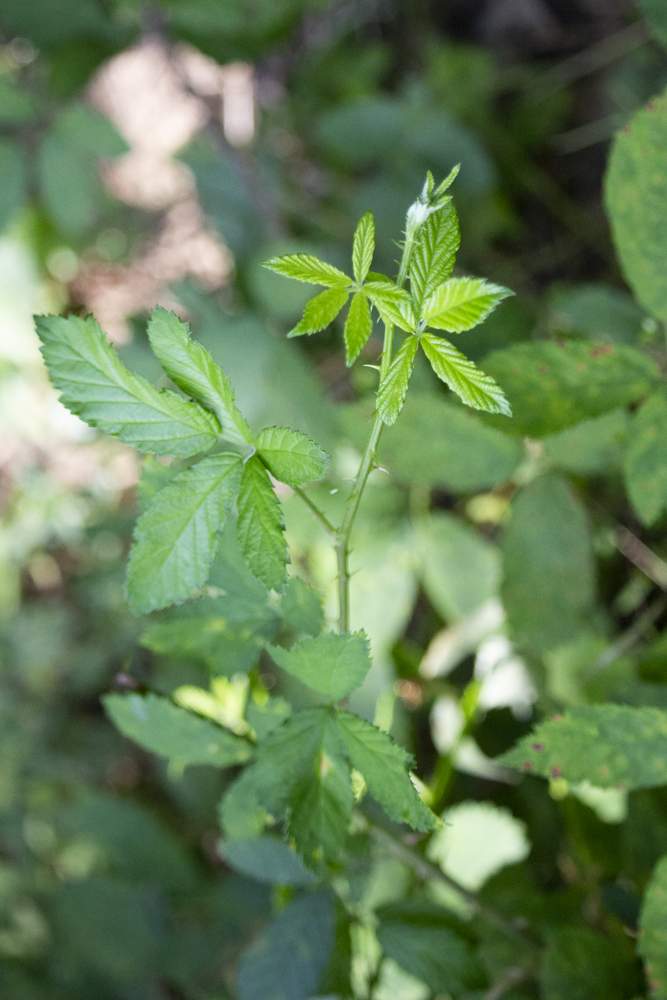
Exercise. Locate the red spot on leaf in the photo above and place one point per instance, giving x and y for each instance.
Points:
(601, 349)
(556, 772)
(543, 369)
(557, 718)
(538, 746)
(527, 766)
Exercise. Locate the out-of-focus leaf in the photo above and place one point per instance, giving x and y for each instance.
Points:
(265, 716)
(260, 527)
(591, 447)
(333, 665)
(267, 859)
(551, 386)
(154, 477)
(463, 377)
(289, 958)
(444, 445)
(646, 459)
(12, 180)
(598, 312)
(302, 608)
(582, 965)
(99, 389)
(432, 945)
(176, 538)
(459, 569)
(653, 931)
(16, 105)
(654, 12)
(290, 456)
(636, 182)
(548, 583)
(361, 132)
(162, 727)
(608, 745)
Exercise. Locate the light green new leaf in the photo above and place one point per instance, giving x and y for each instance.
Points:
(393, 390)
(636, 197)
(384, 766)
(192, 368)
(608, 745)
(548, 568)
(646, 459)
(363, 247)
(162, 727)
(552, 385)
(291, 456)
(434, 253)
(394, 304)
(652, 945)
(260, 528)
(305, 267)
(321, 311)
(463, 376)
(301, 770)
(462, 303)
(99, 389)
(176, 538)
(358, 327)
(333, 665)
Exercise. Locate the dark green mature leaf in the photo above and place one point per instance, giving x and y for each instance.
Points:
(302, 608)
(267, 859)
(463, 376)
(608, 745)
(435, 252)
(162, 727)
(393, 390)
(394, 304)
(192, 368)
(384, 766)
(636, 197)
(655, 14)
(300, 768)
(363, 246)
(653, 931)
(552, 386)
(333, 665)
(646, 459)
(358, 327)
(291, 456)
(462, 303)
(266, 715)
(444, 445)
(305, 267)
(260, 527)
(431, 944)
(289, 958)
(579, 964)
(591, 447)
(321, 311)
(548, 580)
(176, 539)
(99, 389)
(13, 191)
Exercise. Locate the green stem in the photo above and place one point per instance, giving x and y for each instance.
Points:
(368, 461)
(444, 770)
(320, 515)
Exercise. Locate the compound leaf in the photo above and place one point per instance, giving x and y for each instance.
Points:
(393, 390)
(291, 456)
(358, 327)
(98, 388)
(464, 377)
(321, 311)
(384, 766)
(162, 727)
(191, 367)
(435, 251)
(260, 527)
(176, 538)
(333, 665)
(462, 303)
(306, 267)
(646, 459)
(363, 246)
(653, 931)
(608, 745)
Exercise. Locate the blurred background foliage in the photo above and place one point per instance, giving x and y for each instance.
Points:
(157, 152)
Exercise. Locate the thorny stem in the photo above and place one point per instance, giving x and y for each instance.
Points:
(424, 869)
(367, 463)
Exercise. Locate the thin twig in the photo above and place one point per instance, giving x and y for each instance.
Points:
(320, 515)
(641, 556)
(513, 976)
(424, 869)
(630, 637)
